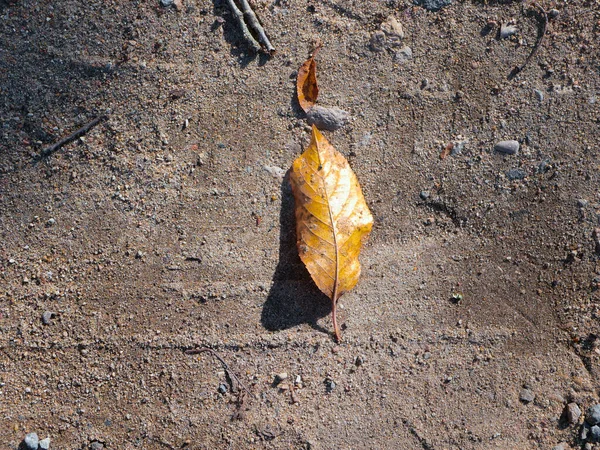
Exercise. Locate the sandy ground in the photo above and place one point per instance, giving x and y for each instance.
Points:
(149, 237)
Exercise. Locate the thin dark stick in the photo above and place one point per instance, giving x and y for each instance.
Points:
(537, 45)
(240, 18)
(231, 374)
(256, 26)
(73, 136)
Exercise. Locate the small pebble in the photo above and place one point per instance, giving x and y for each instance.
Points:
(280, 377)
(424, 195)
(585, 430)
(507, 30)
(572, 413)
(561, 446)
(526, 396)
(507, 147)
(592, 415)
(393, 31)
(45, 444)
(329, 385)
(277, 172)
(327, 118)
(222, 388)
(47, 317)
(595, 434)
(582, 202)
(403, 55)
(539, 95)
(166, 3)
(51, 222)
(377, 42)
(553, 13)
(432, 5)
(31, 441)
(515, 174)
(359, 361)
(96, 445)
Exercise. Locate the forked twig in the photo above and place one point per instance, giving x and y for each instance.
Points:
(230, 373)
(73, 136)
(536, 46)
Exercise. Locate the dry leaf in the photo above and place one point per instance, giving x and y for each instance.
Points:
(332, 218)
(447, 150)
(306, 83)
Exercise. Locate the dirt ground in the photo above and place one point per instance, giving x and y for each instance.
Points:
(148, 237)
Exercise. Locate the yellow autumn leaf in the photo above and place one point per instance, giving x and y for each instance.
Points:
(332, 218)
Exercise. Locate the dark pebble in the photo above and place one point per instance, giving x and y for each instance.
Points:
(327, 118)
(432, 5)
(585, 430)
(592, 416)
(329, 385)
(424, 195)
(515, 174)
(222, 388)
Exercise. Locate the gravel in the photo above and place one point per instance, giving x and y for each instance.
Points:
(280, 377)
(592, 416)
(31, 441)
(526, 396)
(327, 118)
(507, 147)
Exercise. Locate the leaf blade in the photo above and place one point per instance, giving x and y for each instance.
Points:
(332, 218)
(307, 88)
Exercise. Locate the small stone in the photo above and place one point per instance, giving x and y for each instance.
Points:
(47, 317)
(31, 441)
(585, 430)
(572, 413)
(592, 415)
(507, 30)
(166, 3)
(561, 446)
(595, 434)
(280, 377)
(329, 385)
(222, 388)
(553, 13)
(51, 222)
(377, 42)
(277, 172)
(178, 4)
(582, 202)
(96, 445)
(526, 396)
(424, 195)
(539, 95)
(327, 118)
(432, 5)
(507, 147)
(359, 361)
(403, 55)
(45, 444)
(515, 174)
(393, 31)
(139, 254)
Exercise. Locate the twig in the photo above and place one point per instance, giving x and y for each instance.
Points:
(537, 45)
(73, 136)
(230, 373)
(240, 18)
(257, 27)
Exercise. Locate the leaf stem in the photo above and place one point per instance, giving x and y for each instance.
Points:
(336, 328)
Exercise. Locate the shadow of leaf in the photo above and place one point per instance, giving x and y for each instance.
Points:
(294, 298)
